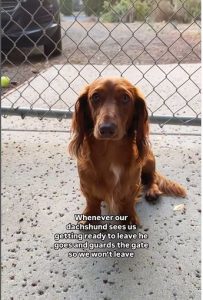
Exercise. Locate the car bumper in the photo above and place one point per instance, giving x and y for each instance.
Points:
(28, 38)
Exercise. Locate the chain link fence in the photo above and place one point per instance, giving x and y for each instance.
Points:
(50, 50)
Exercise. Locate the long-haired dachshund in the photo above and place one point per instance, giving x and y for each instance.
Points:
(110, 140)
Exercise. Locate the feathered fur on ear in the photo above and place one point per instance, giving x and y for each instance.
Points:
(141, 124)
(81, 124)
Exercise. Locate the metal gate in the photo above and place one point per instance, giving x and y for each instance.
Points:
(51, 50)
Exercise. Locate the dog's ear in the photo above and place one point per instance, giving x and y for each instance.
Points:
(141, 123)
(82, 123)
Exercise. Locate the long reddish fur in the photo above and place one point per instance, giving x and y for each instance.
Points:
(131, 157)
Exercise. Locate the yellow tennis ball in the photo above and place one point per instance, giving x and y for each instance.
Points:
(5, 81)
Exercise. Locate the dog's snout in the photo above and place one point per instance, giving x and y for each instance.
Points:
(107, 129)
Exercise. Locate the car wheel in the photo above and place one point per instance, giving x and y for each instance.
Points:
(54, 45)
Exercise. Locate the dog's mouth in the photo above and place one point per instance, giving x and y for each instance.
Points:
(106, 137)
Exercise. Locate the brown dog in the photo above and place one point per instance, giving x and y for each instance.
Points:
(110, 141)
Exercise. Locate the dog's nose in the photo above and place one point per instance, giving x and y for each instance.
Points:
(107, 129)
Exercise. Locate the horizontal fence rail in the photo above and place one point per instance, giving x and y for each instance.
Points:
(52, 49)
(62, 114)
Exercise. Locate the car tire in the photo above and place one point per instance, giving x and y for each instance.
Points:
(54, 45)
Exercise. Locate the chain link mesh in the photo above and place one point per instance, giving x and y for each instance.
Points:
(50, 51)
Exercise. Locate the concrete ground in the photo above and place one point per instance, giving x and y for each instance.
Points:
(168, 88)
(41, 194)
(40, 190)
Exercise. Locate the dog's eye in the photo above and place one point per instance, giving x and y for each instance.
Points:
(125, 98)
(96, 98)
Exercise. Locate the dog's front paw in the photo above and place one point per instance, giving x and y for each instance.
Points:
(153, 194)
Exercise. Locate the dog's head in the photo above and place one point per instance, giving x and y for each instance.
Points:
(110, 109)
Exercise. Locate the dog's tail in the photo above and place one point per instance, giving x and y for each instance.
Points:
(169, 187)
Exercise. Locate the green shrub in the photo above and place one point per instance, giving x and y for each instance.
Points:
(188, 10)
(142, 9)
(126, 10)
(66, 7)
(93, 7)
(115, 12)
(164, 10)
(194, 7)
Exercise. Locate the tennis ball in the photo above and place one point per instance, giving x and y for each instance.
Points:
(5, 81)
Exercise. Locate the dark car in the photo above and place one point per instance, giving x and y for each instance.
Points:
(31, 23)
